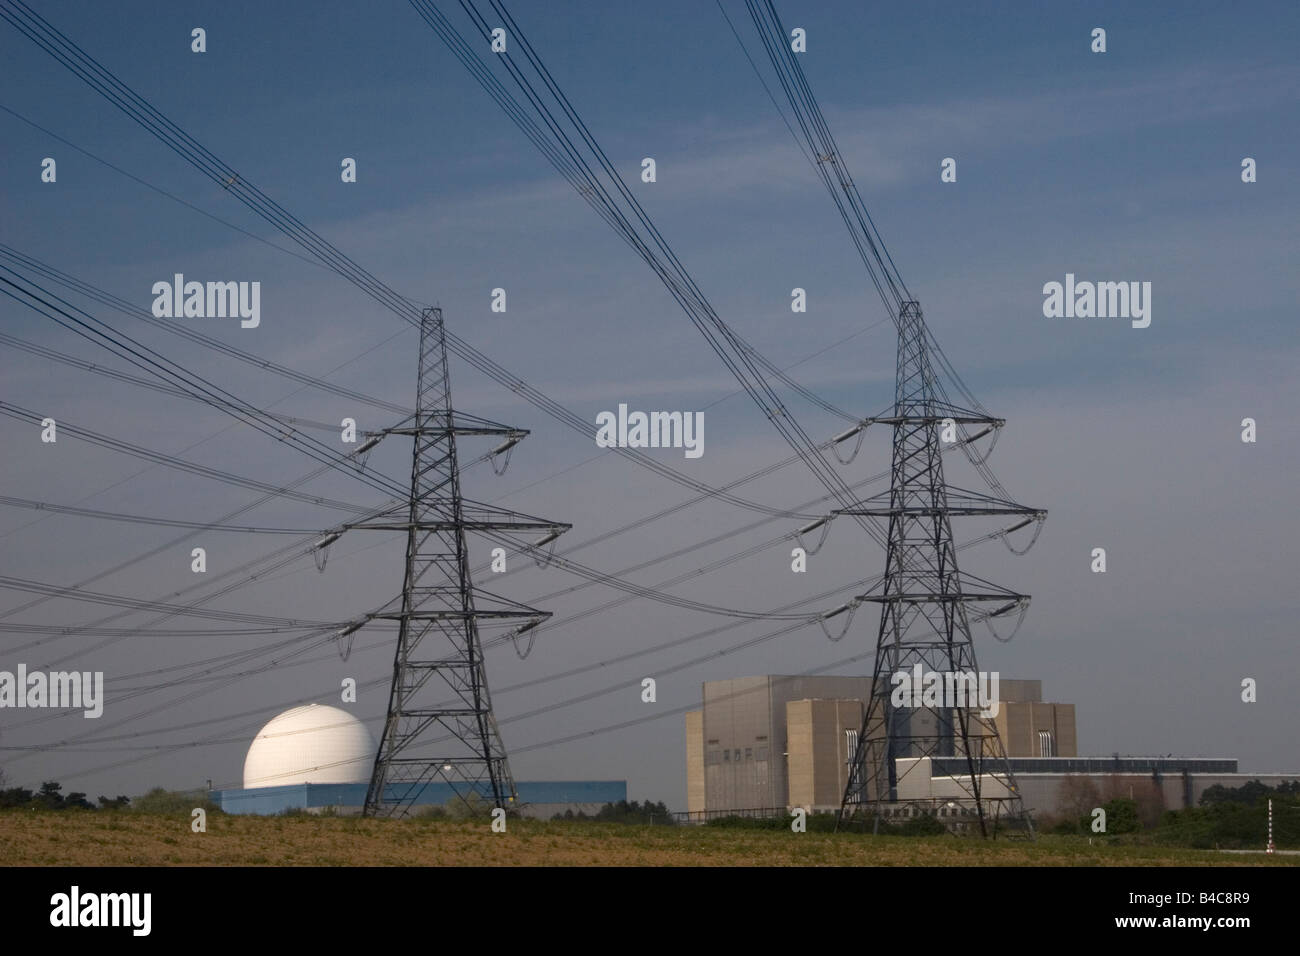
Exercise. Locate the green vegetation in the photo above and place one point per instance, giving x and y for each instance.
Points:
(1121, 817)
(1250, 793)
(159, 800)
(51, 797)
(1229, 818)
(473, 806)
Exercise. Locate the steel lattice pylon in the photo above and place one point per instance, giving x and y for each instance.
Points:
(924, 601)
(440, 726)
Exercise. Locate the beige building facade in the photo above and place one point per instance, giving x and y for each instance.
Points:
(738, 747)
(764, 745)
(822, 736)
(695, 762)
(1030, 727)
(776, 742)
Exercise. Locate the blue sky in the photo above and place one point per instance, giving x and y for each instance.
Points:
(1122, 166)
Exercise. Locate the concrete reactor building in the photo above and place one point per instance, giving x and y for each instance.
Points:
(311, 744)
(317, 756)
(765, 745)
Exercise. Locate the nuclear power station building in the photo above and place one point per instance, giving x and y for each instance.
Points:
(317, 757)
(764, 745)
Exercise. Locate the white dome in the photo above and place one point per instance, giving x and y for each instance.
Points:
(311, 744)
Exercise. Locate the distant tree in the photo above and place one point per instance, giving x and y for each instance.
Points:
(1149, 797)
(570, 815)
(1121, 816)
(49, 796)
(1076, 797)
(1249, 793)
(15, 797)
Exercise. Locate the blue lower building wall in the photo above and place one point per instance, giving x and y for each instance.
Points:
(550, 796)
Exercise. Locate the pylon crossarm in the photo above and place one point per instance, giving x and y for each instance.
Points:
(932, 418)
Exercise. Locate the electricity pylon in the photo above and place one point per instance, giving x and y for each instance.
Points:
(440, 726)
(926, 613)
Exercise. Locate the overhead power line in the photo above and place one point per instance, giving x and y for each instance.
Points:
(103, 81)
(598, 182)
(87, 326)
(22, 261)
(13, 502)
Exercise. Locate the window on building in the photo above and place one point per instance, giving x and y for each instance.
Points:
(737, 757)
(749, 753)
(1046, 747)
(726, 756)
